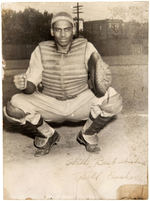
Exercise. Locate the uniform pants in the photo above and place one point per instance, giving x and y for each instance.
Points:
(38, 105)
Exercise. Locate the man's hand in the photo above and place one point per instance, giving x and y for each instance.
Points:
(20, 81)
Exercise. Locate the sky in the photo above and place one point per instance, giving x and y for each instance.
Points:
(97, 10)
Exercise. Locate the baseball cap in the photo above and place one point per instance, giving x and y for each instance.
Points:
(62, 16)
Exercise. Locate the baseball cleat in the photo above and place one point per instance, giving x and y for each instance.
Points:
(44, 145)
(89, 147)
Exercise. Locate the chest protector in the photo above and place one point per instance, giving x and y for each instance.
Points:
(64, 74)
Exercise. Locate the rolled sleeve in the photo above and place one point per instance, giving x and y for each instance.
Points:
(34, 71)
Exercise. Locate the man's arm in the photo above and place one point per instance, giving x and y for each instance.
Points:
(27, 82)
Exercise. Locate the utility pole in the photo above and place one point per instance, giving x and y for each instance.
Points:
(78, 11)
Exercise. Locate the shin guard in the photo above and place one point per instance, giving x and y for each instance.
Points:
(98, 124)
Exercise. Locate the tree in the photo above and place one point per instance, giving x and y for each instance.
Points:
(27, 27)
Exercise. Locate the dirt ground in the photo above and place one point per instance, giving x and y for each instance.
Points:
(69, 172)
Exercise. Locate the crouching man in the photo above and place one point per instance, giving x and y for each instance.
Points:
(76, 86)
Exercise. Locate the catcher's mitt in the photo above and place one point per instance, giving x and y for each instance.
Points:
(99, 75)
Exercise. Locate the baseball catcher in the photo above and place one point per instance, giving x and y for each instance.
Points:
(75, 85)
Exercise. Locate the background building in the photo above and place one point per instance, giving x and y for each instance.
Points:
(115, 37)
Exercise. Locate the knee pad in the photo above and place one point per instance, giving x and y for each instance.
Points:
(113, 105)
(14, 112)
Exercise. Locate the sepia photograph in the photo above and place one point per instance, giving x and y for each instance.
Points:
(75, 100)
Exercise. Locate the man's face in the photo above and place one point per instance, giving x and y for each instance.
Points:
(63, 32)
